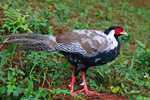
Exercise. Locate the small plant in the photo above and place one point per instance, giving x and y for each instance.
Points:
(143, 55)
(41, 75)
(14, 22)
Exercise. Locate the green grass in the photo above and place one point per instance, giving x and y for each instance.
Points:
(40, 75)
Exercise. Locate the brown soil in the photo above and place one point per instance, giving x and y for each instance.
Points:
(99, 96)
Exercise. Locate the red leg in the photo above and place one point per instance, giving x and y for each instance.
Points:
(72, 84)
(84, 84)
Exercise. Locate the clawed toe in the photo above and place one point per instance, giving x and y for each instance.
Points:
(76, 92)
(87, 91)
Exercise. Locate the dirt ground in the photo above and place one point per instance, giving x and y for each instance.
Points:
(98, 96)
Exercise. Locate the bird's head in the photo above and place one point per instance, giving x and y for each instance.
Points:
(115, 30)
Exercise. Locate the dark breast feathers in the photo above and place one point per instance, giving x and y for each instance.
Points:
(85, 48)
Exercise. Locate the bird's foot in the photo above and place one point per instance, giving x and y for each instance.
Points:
(87, 91)
(76, 93)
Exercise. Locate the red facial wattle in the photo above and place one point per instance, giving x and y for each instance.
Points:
(118, 31)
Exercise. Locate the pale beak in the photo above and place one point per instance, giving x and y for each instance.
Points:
(124, 33)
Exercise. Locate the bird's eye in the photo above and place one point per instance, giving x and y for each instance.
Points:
(117, 30)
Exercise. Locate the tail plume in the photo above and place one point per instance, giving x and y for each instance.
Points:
(35, 42)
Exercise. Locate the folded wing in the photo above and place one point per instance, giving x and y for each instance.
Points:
(86, 42)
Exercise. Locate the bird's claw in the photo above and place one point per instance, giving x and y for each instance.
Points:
(76, 92)
(87, 91)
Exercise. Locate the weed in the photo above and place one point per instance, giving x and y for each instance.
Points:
(40, 75)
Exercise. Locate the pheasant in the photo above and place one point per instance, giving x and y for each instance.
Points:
(82, 48)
